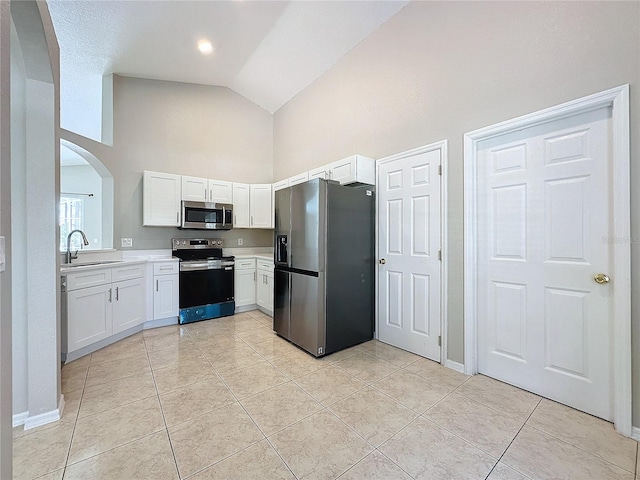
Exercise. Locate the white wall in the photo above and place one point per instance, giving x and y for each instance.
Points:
(18, 225)
(187, 129)
(84, 179)
(5, 230)
(439, 69)
(41, 319)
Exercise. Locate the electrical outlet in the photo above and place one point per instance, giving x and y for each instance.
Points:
(127, 242)
(240, 241)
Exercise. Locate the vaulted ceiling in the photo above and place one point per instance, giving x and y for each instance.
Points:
(267, 51)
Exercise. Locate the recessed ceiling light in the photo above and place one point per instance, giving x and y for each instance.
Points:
(205, 47)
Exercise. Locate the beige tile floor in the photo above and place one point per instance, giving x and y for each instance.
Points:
(227, 399)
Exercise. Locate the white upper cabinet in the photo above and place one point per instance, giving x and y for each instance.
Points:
(220, 191)
(161, 194)
(252, 205)
(195, 189)
(281, 184)
(241, 213)
(355, 168)
(320, 172)
(296, 179)
(261, 206)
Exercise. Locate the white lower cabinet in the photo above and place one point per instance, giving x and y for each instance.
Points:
(89, 316)
(166, 290)
(264, 286)
(96, 312)
(128, 304)
(245, 282)
(165, 296)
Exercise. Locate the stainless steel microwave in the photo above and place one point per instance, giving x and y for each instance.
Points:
(207, 216)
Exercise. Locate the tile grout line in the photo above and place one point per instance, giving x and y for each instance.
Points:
(246, 412)
(164, 419)
(511, 442)
(75, 422)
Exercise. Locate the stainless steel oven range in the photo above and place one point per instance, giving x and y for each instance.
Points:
(206, 279)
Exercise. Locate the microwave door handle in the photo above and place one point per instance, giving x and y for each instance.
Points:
(224, 214)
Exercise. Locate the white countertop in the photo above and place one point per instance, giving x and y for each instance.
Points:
(82, 267)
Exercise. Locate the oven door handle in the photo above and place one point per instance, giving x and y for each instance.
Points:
(189, 267)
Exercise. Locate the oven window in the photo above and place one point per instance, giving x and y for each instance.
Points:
(202, 215)
(203, 287)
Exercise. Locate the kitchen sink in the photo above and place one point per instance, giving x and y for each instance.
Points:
(86, 264)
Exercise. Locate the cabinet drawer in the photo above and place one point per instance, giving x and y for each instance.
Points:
(127, 272)
(245, 263)
(91, 278)
(264, 264)
(165, 268)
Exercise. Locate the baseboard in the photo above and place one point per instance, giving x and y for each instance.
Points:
(20, 418)
(246, 308)
(265, 311)
(635, 433)
(458, 367)
(161, 322)
(42, 419)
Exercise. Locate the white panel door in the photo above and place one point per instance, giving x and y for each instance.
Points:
(544, 324)
(409, 238)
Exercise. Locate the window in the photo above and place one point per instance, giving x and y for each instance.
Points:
(71, 218)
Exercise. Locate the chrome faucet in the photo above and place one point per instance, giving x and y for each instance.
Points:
(70, 256)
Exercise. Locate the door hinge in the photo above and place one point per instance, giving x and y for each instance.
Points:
(439, 169)
(439, 254)
(439, 340)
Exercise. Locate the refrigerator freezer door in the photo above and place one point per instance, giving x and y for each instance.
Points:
(308, 214)
(282, 226)
(282, 303)
(308, 312)
(350, 270)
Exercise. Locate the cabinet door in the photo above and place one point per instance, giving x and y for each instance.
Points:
(281, 184)
(241, 215)
(128, 304)
(165, 296)
(89, 317)
(344, 171)
(195, 189)
(270, 286)
(355, 168)
(320, 172)
(262, 289)
(161, 194)
(261, 206)
(296, 179)
(245, 287)
(220, 191)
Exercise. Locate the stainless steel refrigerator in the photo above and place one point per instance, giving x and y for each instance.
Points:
(324, 272)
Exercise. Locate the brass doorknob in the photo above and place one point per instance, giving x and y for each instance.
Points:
(382, 261)
(601, 278)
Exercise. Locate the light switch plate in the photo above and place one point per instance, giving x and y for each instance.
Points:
(127, 242)
(2, 255)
